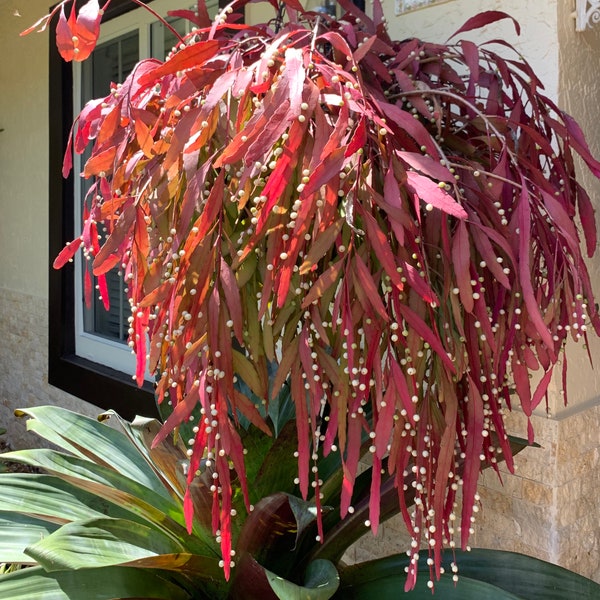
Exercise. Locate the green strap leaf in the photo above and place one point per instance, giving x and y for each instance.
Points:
(481, 574)
(321, 582)
(533, 578)
(98, 479)
(19, 531)
(92, 584)
(392, 588)
(100, 543)
(95, 441)
(51, 499)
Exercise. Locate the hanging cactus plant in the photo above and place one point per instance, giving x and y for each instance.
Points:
(390, 224)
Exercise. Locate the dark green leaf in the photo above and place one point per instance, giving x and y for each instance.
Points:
(320, 583)
(90, 584)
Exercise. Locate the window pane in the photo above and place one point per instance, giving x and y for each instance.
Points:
(163, 39)
(110, 62)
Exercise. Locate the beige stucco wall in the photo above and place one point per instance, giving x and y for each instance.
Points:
(537, 41)
(24, 259)
(23, 150)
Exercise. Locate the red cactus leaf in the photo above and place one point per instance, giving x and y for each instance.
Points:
(364, 281)
(323, 283)
(140, 329)
(328, 168)
(67, 253)
(398, 380)
(471, 54)
(103, 290)
(541, 389)
(232, 297)
(472, 464)
(65, 32)
(577, 140)
(588, 220)
(87, 29)
(461, 262)
(189, 57)
(108, 256)
(299, 397)
(321, 246)
(180, 414)
(374, 496)
(522, 385)
(445, 463)
(485, 18)
(483, 244)
(524, 215)
(350, 464)
(426, 165)
(426, 333)
(358, 139)
(244, 368)
(249, 410)
(87, 286)
(431, 193)
(100, 163)
(385, 420)
(380, 245)
(405, 121)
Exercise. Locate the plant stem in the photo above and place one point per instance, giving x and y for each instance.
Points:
(161, 19)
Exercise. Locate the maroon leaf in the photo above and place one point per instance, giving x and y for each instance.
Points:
(431, 193)
(485, 18)
(461, 262)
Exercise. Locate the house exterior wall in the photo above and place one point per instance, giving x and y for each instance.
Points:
(24, 219)
(547, 508)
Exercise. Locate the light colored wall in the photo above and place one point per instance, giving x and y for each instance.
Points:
(537, 41)
(24, 260)
(23, 150)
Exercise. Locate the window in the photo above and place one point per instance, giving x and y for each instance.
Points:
(88, 354)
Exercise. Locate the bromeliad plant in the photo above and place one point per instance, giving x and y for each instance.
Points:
(106, 521)
(388, 226)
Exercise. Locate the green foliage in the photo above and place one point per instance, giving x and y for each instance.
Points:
(111, 505)
(479, 574)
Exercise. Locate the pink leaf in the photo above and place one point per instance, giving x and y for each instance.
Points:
(65, 33)
(474, 425)
(485, 18)
(431, 193)
(103, 290)
(524, 216)
(87, 29)
(67, 253)
(87, 284)
(426, 165)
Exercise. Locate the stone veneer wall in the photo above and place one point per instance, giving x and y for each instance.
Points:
(550, 507)
(24, 364)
